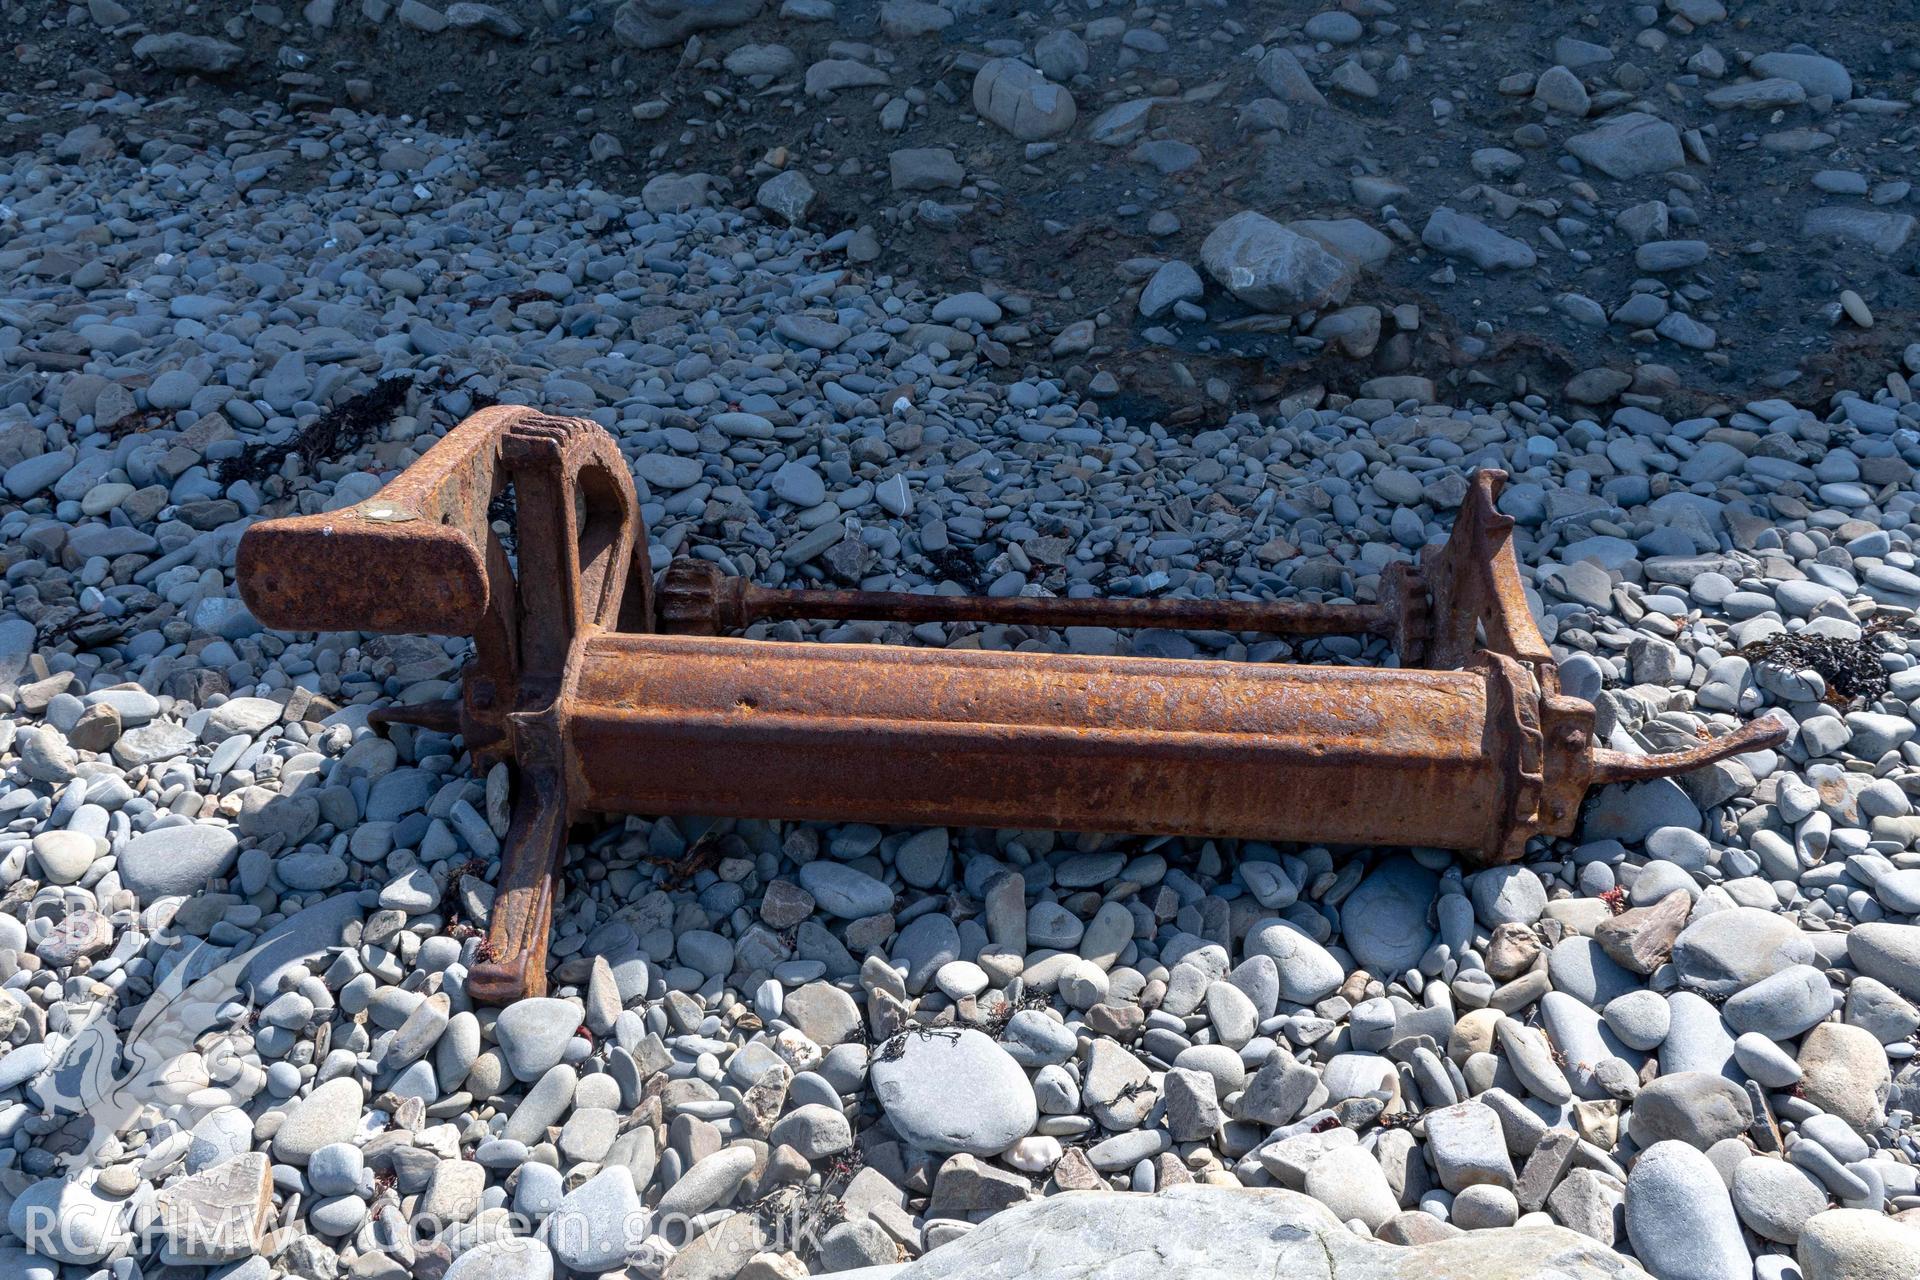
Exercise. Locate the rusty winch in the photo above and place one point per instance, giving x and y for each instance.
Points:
(608, 698)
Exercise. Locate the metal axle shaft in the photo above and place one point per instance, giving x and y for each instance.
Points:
(697, 599)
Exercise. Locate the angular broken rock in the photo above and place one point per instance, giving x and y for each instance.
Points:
(655, 24)
(1630, 145)
(1271, 268)
(1283, 75)
(1233, 1233)
(1121, 124)
(220, 1215)
(1022, 101)
(786, 195)
(1591, 1203)
(180, 51)
(83, 933)
(1460, 236)
(1175, 281)
(1642, 939)
(924, 169)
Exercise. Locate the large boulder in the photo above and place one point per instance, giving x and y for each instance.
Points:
(1229, 1233)
(1021, 100)
(655, 24)
(1630, 145)
(1271, 268)
(182, 51)
(177, 860)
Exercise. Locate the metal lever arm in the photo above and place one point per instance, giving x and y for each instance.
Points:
(420, 557)
(413, 559)
(1618, 766)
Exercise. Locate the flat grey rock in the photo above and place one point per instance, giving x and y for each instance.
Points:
(1240, 1234)
(330, 1114)
(1385, 918)
(177, 860)
(1725, 952)
(1782, 1005)
(1306, 970)
(842, 891)
(534, 1033)
(1630, 145)
(1459, 235)
(1696, 1107)
(299, 938)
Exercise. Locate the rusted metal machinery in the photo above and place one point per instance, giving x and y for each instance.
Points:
(608, 701)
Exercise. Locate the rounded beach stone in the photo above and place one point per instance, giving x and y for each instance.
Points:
(953, 1090)
(1680, 1217)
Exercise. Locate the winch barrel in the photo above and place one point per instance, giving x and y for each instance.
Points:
(882, 733)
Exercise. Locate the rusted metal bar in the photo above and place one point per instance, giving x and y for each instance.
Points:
(1618, 766)
(697, 599)
(992, 738)
(1468, 745)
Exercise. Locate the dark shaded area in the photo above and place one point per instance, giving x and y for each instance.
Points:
(956, 564)
(340, 430)
(87, 630)
(1851, 668)
(1057, 228)
(503, 511)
